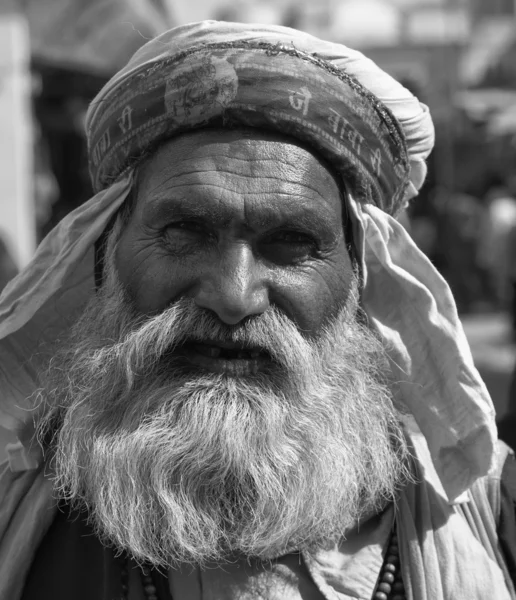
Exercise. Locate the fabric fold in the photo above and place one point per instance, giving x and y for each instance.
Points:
(443, 557)
(411, 307)
(40, 304)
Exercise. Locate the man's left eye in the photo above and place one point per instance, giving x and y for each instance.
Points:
(289, 247)
(292, 237)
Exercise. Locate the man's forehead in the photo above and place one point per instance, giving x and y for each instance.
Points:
(249, 145)
(225, 163)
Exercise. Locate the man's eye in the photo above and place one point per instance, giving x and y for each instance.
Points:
(292, 237)
(289, 247)
(182, 235)
(185, 226)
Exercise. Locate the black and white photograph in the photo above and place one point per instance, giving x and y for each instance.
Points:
(257, 299)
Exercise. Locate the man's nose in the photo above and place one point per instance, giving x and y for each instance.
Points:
(232, 286)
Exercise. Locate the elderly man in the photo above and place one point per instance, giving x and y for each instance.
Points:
(232, 373)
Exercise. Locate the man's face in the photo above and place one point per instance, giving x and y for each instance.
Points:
(219, 395)
(238, 224)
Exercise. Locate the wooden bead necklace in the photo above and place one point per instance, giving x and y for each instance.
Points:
(390, 583)
(150, 590)
(389, 587)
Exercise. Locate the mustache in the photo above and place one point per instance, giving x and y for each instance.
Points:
(143, 343)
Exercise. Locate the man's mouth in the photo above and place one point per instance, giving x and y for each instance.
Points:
(225, 357)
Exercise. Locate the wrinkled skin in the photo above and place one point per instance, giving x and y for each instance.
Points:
(238, 221)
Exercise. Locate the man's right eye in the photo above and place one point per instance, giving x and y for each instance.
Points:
(179, 236)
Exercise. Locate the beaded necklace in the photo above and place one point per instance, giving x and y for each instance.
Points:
(150, 590)
(390, 583)
(389, 587)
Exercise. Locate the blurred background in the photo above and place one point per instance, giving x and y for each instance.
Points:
(457, 56)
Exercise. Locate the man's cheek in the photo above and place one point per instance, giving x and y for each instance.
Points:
(150, 276)
(313, 295)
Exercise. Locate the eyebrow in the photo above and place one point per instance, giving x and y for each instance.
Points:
(163, 209)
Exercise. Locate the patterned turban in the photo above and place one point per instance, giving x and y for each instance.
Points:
(374, 133)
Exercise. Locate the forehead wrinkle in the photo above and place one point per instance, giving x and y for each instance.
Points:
(263, 185)
(256, 165)
(255, 168)
(156, 184)
(232, 182)
(295, 160)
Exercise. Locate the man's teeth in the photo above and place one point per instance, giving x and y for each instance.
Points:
(213, 351)
(226, 353)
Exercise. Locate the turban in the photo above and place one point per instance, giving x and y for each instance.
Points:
(374, 133)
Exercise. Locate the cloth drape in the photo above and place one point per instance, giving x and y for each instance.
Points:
(412, 308)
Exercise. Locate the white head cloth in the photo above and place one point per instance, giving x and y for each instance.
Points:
(406, 300)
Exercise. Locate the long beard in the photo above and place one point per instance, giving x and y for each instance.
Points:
(175, 465)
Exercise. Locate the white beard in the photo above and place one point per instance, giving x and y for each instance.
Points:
(180, 466)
